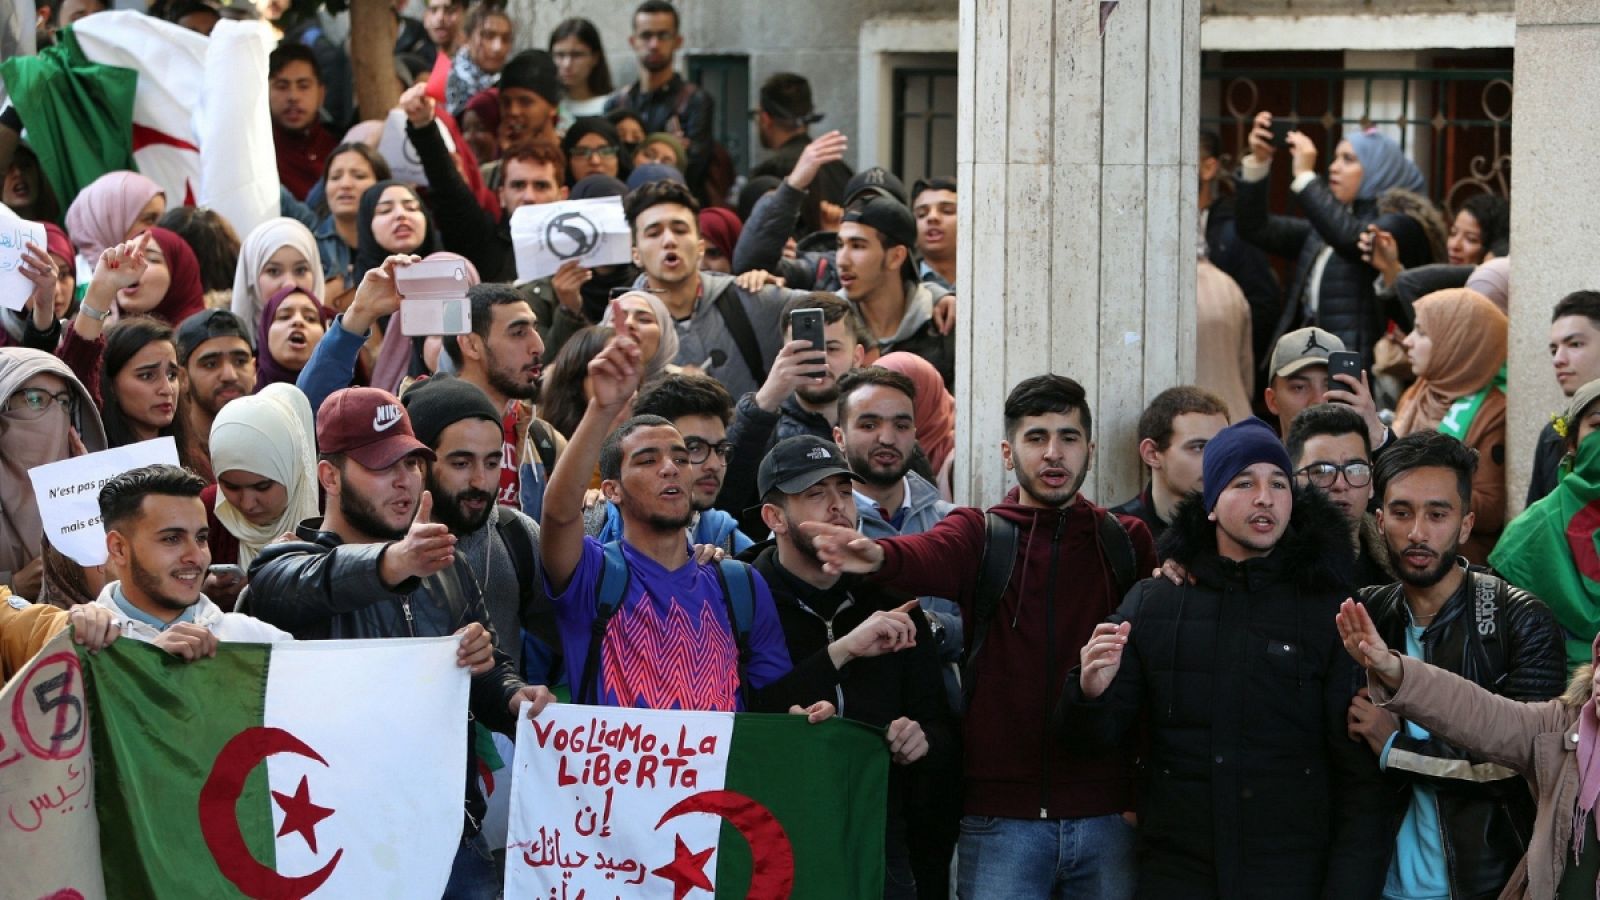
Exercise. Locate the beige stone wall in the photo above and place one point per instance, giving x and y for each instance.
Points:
(1076, 153)
(1555, 232)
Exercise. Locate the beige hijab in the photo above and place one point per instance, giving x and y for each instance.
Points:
(31, 438)
(259, 245)
(1469, 346)
(272, 433)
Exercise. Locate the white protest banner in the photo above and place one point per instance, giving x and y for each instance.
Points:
(15, 234)
(593, 232)
(49, 833)
(68, 493)
(395, 147)
(609, 803)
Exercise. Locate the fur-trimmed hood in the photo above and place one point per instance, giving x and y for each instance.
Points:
(1315, 550)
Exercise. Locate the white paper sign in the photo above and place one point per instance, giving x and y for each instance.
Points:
(15, 288)
(593, 232)
(69, 494)
(589, 788)
(395, 147)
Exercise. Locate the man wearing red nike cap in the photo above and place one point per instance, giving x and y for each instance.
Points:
(376, 566)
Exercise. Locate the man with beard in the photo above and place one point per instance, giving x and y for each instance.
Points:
(699, 407)
(499, 544)
(1238, 684)
(801, 393)
(661, 99)
(218, 367)
(1462, 825)
(669, 602)
(1030, 801)
(798, 397)
(502, 356)
(877, 430)
(377, 566)
(806, 479)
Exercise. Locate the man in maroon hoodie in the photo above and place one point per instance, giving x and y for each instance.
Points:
(1041, 818)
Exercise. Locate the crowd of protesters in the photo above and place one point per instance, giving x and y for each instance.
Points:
(1161, 698)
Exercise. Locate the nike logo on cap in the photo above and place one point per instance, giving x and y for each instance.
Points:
(386, 416)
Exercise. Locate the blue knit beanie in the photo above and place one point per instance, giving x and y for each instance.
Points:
(1383, 164)
(1236, 448)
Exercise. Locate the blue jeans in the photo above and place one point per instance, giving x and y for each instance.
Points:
(474, 875)
(1030, 859)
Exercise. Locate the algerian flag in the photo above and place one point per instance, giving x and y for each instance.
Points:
(1553, 550)
(315, 768)
(127, 90)
(611, 802)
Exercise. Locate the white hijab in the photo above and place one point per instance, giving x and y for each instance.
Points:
(263, 241)
(273, 434)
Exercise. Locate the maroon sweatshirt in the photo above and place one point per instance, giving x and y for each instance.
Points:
(1061, 588)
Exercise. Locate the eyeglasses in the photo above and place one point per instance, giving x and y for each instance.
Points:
(39, 399)
(1356, 474)
(593, 153)
(700, 450)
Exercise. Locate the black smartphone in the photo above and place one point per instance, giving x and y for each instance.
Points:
(1280, 131)
(1343, 362)
(806, 325)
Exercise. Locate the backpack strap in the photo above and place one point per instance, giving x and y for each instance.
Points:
(544, 444)
(739, 593)
(534, 611)
(994, 575)
(1118, 549)
(744, 336)
(611, 591)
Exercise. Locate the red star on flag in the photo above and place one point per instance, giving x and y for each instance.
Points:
(300, 814)
(686, 871)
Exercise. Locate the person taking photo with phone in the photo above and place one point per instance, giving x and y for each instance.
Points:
(1369, 181)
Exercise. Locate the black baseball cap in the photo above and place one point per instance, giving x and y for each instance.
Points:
(205, 325)
(876, 180)
(797, 463)
(890, 217)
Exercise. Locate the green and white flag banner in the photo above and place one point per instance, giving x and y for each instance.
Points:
(629, 803)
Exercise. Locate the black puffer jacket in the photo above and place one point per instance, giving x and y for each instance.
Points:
(1347, 302)
(1505, 640)
(1250, 786)
(320, 588)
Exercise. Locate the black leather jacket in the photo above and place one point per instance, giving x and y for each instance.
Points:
(320, 588)
(1505, 640)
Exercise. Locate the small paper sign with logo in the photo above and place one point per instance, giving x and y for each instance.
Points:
(68, 493)
(15, 288)
(546, 235)
(395, 147)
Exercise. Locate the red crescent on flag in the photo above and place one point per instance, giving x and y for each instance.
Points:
(1580, 538)
(771, 854)
(145, 136)
(219, 820)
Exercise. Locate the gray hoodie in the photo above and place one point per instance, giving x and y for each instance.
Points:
(705, 341)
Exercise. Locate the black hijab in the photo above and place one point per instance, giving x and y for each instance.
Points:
(368, 254)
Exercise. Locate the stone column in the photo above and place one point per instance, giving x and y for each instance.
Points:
(1554, 230)
(1076, 153)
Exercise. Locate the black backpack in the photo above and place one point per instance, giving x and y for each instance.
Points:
(994, 576)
